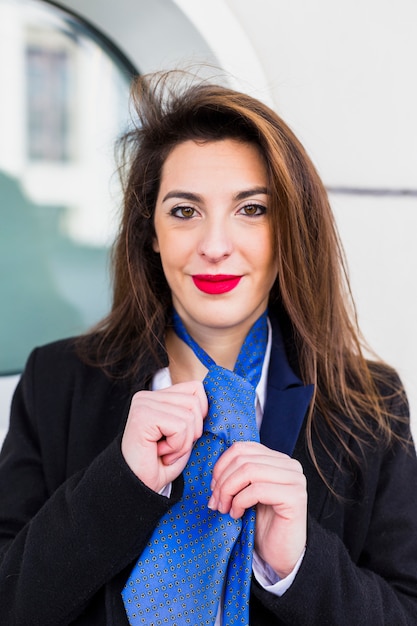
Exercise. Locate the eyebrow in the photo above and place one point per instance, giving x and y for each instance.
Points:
(195, 197)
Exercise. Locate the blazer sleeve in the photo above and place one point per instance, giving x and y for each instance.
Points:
(364, 571)
(58, 549)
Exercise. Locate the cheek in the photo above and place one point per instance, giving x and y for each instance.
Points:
(169, 256)
(263, 254)
(269, 269)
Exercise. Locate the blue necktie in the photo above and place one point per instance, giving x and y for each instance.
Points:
(194, 553)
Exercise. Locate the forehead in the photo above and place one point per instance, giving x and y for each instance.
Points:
(197, 161)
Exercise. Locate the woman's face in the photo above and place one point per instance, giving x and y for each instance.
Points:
(213, 234)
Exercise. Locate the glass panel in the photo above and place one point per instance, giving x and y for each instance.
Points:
(64, 102)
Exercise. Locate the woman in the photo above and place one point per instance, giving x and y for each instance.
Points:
(226, 232)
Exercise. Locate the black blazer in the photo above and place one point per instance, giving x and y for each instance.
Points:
(74, 518)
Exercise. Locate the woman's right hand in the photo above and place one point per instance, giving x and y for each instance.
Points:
(161, 429)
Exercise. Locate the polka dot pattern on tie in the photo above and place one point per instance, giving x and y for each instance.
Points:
(194, 553)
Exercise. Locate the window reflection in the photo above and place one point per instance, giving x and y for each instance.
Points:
(63, 104)
(48, 102)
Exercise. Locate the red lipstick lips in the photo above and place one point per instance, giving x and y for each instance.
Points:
(216, 283)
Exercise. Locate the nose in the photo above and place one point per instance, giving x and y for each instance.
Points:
(216, 242)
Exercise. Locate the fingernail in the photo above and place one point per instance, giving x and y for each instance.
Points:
(211, 503)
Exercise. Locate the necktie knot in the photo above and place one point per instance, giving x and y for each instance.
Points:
(228, 395)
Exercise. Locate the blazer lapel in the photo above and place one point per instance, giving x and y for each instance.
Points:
(287, 400)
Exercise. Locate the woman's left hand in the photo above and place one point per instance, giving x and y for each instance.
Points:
(250, 474)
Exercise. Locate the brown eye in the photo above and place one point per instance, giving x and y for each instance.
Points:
(186, 211)
(253, 209)
(183, 212)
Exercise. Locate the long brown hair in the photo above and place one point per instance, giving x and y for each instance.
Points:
(312, 289)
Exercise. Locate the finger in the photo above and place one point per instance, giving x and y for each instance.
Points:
(179, 435)
(244, 463)
(191, 396)
(222, 498)
(288, 500)
(152, 410)
(194, 388)
(237, 452)
(170, 396)
(253, 470)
